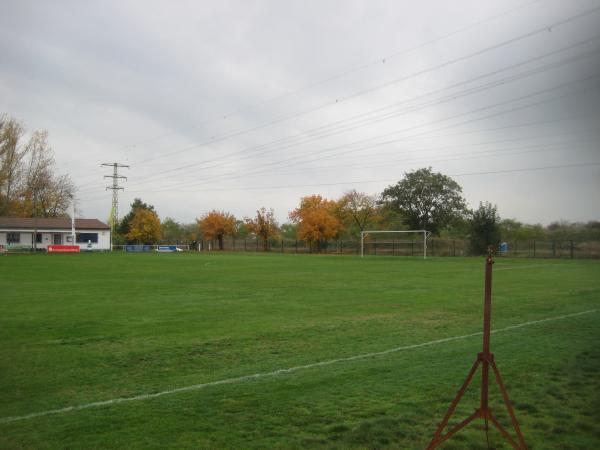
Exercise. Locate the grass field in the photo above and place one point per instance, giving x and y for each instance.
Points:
(78, 329)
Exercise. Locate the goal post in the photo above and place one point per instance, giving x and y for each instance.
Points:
(366, 233)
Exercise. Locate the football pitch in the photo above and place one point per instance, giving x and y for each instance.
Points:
(255, 351)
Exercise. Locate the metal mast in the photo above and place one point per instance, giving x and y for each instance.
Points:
(487, 362)
(115, 197)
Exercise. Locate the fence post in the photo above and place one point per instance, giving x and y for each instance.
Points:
(453, 247)
(233, 244)
(571, 249)
(245, 248)
(516, 248)
(296, 245)
(553, 249)
(432, 248)
(412, 247)
(341, 247)
(375, 245)
(256, 243)
(534, 248)
(393, 247)
(281, 245)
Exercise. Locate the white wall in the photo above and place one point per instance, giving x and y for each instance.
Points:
(103, 241)
(25, 239)
(48, 239)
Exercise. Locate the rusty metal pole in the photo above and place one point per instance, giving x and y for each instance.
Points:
(485, 356)
(487, 305)
(486, 359)
(487, 320)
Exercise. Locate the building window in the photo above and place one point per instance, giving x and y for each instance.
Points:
(38, 238)
(13, 238)
(83, 238)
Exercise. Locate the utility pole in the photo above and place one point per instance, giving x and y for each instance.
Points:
(115, 197)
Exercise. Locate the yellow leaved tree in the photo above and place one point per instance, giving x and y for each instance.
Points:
(317, 221)
(217, 225)
(144, 227)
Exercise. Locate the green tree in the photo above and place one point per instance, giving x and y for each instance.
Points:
(577, 231)
(172, 231)
(137, 204)
(389, 218)
(289, 230)
(513, 230)
(510, 229)
(485, 230)
(427, 200)
(357, 211)
(532, 231)
(240, 230)
(190, 233)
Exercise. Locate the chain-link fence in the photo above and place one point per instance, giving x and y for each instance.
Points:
(403, 247)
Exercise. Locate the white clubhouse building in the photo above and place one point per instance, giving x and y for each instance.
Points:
(90, 234)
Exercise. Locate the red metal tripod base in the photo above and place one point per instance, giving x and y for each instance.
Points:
(484, 412)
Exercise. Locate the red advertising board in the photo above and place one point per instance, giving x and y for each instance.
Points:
(63, 249)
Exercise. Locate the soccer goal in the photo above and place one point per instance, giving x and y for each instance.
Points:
(387, 243)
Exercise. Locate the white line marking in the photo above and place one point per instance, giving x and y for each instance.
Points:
(241, 379)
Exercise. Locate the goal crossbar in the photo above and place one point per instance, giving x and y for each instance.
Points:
(365, 233)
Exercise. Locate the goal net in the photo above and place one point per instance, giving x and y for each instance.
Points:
(397, 243)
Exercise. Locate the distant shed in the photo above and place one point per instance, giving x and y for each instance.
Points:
(91, 234)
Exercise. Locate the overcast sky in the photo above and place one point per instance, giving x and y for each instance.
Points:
(234, 105)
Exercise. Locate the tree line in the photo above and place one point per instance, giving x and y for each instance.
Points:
(30, 186)
(421, 200)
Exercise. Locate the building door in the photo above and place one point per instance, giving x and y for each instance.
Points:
(57, 239)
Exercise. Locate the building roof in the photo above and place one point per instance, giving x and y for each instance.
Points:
(50, 223)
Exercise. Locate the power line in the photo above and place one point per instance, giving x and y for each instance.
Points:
(413, 108)
(544, 29)
(184, 184)
(378, 61)
(321, 152)
(292, 160)
(465, 174)
(190, 167)
(301, 169)
(456, 157)
(357, 124)
(317, 133)
(478, 131)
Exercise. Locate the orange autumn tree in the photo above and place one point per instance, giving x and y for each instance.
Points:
(217, 225)
(144, 227)
(317, 221)
(263, 225)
